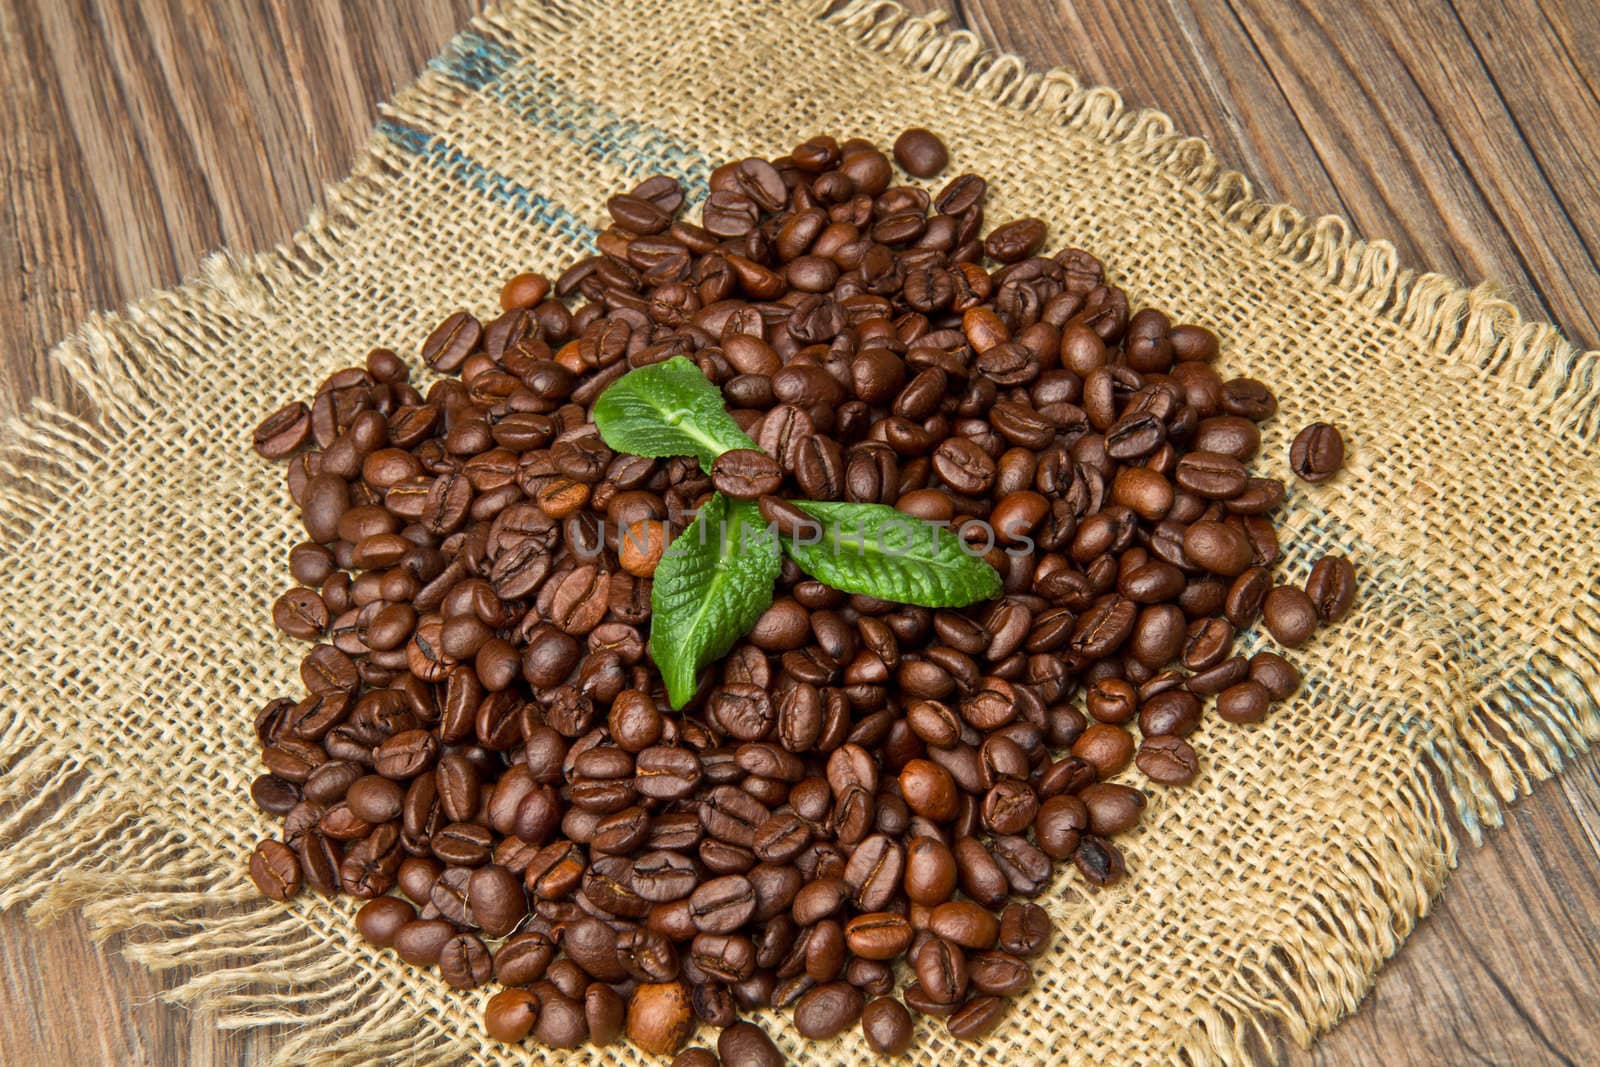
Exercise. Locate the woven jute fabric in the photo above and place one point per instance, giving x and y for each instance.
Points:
(142, 545)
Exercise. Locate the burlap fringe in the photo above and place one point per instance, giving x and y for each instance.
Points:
(95, 850)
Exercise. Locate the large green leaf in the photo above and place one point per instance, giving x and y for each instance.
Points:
(668, 409)
(711, 586)
(880, 552)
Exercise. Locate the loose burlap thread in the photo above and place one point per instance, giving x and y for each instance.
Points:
(141, 545)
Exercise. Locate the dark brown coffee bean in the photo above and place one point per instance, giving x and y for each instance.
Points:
(1291, 616)
(1108, 747)
(406, 754)
(420, 943)
(1212, 475)
(887, 1027)
(1332, 587)
(1214, 680)
(964, 923)
(1024, 929)
(878, 935)
(722, 905)
(941, 970)
(1244, 703)
(745, 1043)
(998, 974)
(281, 434)
(522, 959)
(920, 153)
(562, 1021)
(275, 870)
(510, 1014)
(1100, 862)
(496, 900)
(448, 347)
(1317, 453)
(930, 873)
(1228, 435)
(274, 795)
(929, 790)
(1172, 712)
(746, 474)
(828, 1010)
(381, 919)
(1246, 595)
(1216, 547)
(1059, 825)
(1113, 808)
(976, 1018)
(1276, 674)
(1168, 760)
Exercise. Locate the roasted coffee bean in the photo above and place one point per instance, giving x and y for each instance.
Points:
(1059, 825)
(522, 959)
(887, 1027)
(1244, 703)
(878, 935)
(1291, 616)
(746, 1044)
(660, 1017)
(976, 1018)
(964, 923)
(1317, 453)
(275, 870)
(746, 474)
(1112, 808)
(1276, 674)
(1167, 759)
(1024, 929)
(1173, 712)
(496, 900)
(1246, 596)
(281, 434)
(274, 795)
(723, 904)
(562, 1022)
(828, 1010)
(941, 970)
(930, 875)
(1100, 862)
(510, 1014)
(465, 962)
(1216, 547)
(1107, 747)
(421, 942)
(1332, 587)
(920, 153)
(998, 974)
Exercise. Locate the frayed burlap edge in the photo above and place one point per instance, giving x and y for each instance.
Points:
(70, 838)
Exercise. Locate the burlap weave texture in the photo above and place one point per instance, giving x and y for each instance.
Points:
(148, 540)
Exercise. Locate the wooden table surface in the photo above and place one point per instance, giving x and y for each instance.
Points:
(139, 134)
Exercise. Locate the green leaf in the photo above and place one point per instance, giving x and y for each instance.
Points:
(711, 586)
(668, 409)
(880, 552)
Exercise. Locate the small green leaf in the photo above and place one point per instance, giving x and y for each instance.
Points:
(880, 552)
(668, 409)
(711, 586)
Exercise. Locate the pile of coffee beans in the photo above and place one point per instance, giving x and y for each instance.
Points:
(484, 751)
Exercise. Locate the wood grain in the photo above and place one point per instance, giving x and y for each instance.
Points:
(142, 133)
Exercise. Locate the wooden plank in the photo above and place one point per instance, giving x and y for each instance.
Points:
(141, 135)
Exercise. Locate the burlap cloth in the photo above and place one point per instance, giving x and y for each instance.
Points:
(140, 548)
